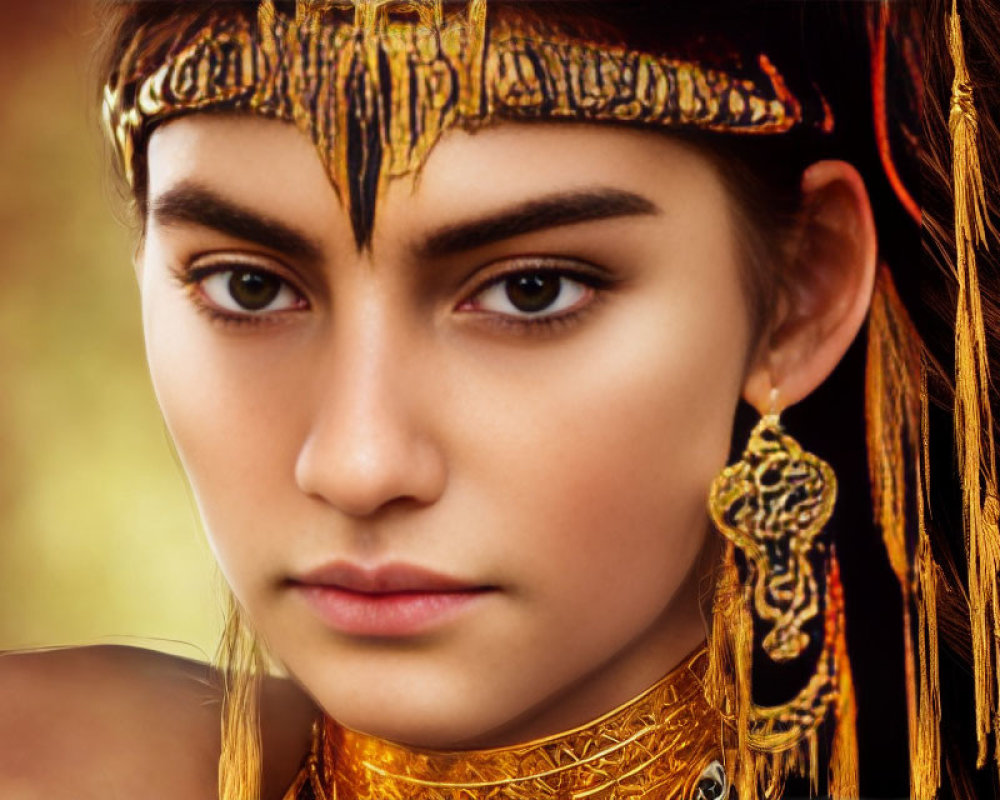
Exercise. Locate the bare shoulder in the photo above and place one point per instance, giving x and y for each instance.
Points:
(107, 721)
(111, 721)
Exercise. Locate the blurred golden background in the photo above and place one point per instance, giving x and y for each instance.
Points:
(99, 538)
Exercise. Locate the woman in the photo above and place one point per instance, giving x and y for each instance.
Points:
(452, 395)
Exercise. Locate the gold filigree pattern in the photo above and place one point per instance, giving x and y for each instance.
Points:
(772, 504)
(661, 745)
(783, 727)
(375, 88)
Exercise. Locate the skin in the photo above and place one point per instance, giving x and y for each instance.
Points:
(88, 723)
(391, 412)
(387, 408)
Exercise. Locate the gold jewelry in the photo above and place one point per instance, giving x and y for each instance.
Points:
(375, 89)
(772, 504)
(664, 744)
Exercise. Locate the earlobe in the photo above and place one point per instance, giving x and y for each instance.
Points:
(825, 292)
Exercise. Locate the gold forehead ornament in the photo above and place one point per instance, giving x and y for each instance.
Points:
(375, 83)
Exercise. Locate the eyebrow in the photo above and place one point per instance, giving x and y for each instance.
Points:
(189, 203)
(565, 208)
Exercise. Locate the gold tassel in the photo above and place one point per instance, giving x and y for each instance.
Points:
(973, 416)
(242, 664)
(727, 678)
(774, 741)
(925, 772)
(892, 414)
(896, 397)
(844, 780)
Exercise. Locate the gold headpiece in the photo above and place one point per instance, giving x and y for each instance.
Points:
(375, 84)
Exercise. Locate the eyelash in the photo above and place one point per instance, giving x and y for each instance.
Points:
(193, 278)
(543, 323)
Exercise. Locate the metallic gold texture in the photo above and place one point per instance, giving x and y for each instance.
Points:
(772, 504)
(657, 746)
(898, 430)
(973, 414)
(376, 83)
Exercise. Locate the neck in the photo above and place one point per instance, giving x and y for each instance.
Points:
(663, 744)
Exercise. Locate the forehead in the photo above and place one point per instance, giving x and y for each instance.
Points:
(272, 167)
(376, 92)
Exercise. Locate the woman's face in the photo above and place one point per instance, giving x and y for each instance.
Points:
(458, 480)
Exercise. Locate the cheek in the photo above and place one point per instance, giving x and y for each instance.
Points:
(227, 412)
(606, 451)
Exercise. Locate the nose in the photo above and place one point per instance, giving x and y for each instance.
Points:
(370, 444)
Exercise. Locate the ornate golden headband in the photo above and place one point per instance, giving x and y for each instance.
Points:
(375, 83)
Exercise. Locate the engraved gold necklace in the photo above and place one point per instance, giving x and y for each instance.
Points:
(664, 744)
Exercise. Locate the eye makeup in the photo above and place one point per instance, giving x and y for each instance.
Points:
(537, 295)
(522, 296)
(240, 289)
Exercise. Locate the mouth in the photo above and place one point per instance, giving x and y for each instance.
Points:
(394, 600)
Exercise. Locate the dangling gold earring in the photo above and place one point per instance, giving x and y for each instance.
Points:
(772, 504)
(242, 663)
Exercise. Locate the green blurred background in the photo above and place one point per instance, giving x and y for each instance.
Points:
(99, 538)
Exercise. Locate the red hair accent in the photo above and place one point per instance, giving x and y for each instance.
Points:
(881, 116)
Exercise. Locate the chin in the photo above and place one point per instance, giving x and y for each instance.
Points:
(431, 723)
(404, 697)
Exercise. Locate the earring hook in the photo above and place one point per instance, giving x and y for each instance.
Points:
(774, 409)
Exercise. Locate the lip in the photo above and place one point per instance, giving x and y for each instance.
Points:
(392, 600)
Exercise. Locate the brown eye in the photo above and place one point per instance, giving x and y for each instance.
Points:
(248, 291)
(533, 292)
(253, 291)
(541, 293)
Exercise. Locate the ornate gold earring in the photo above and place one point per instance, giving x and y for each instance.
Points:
(772, 504)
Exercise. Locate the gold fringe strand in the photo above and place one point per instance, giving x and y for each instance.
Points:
(728, 675)
(242, 664)
(265, 27)
(973, 416)
(895, 408)
(773, 742)
(926, 771)
(844, 780)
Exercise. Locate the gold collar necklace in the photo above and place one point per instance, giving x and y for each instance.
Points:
(664, 744)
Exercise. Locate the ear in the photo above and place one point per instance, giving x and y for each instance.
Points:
(825, 290)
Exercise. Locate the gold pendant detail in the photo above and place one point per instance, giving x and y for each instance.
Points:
(772, 504)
